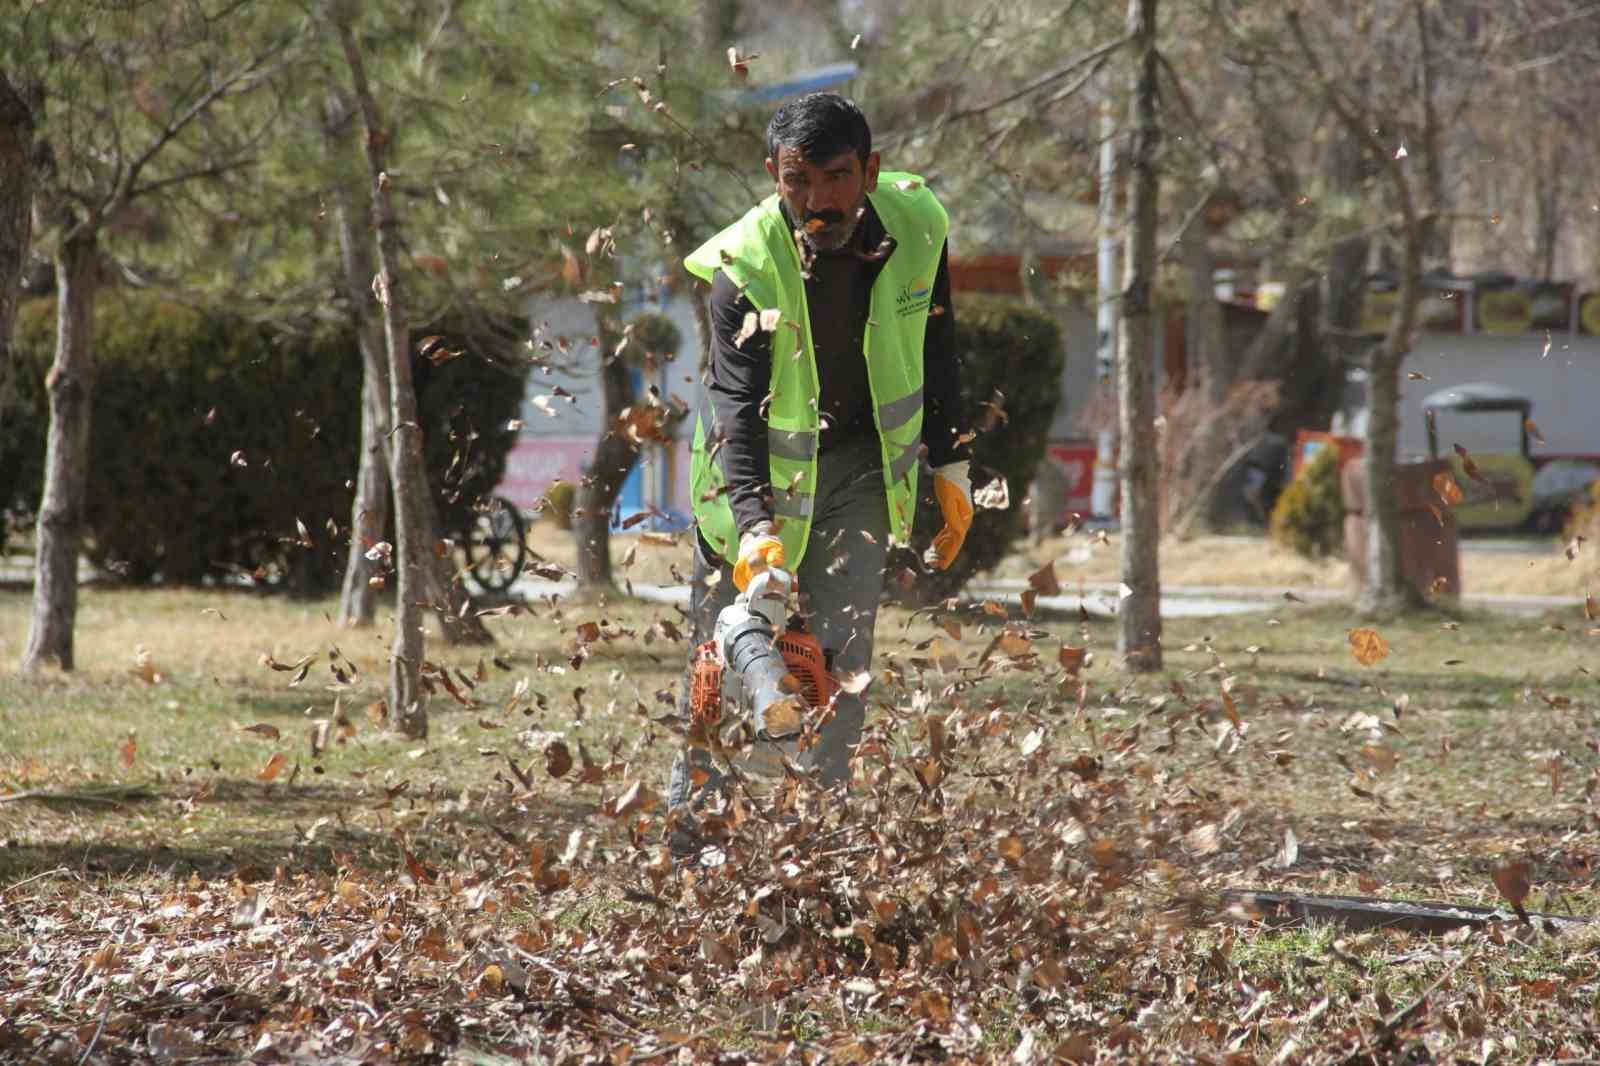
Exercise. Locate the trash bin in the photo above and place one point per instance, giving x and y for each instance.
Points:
(1430, 551)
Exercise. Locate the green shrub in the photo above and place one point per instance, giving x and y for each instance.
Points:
(211, 437)
(1015, 351)
(1309, 514)
(654, 336)
(559, 500)
(1584, 520)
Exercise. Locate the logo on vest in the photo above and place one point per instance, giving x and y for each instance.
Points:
(913, 298)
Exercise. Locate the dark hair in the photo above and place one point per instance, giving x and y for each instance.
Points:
(820, 126)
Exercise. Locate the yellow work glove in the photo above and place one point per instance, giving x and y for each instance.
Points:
(953, 489)
(759, 548)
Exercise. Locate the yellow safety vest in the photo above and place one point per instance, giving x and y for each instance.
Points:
(758, 254)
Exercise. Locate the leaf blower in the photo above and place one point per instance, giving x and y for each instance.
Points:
(760, 664)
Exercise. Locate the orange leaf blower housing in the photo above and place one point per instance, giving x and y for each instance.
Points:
(801, 654)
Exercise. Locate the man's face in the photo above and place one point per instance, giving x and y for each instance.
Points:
(824, 198)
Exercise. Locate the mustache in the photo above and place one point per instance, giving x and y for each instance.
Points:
(827, 218)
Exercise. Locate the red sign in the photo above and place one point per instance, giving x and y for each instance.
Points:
(535, 462)
(1075, 462)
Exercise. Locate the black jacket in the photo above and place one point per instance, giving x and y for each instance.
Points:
(837, 294)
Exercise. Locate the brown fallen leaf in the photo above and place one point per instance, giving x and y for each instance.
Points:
(1381, 756)
(636, 797)
(127, 750)
(557, 759)
(1044, 581)
(1230, 708)
(421, 874)
(1445, 485)
(273, 767)
(1367, 646)
(1468, 466)
(1204, 839)
(263, 730)
(1512, 879)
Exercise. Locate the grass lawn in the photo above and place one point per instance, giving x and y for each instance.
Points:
(1539, 570)
(202, 856)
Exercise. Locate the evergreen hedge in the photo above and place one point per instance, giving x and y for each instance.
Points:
(212, 437)
(1309, 515)
(1015, 351)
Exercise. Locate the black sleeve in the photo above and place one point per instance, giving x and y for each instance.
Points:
(943, 415)
(739, 379)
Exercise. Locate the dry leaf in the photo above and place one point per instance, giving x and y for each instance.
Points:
(1381, 756)
(557, 759)
(747, 329)
(273, 767)
(1367, 646)
(1204, 839)
(1512, 880)
(1468, 466)
(127, 750)
(635, 797)
(1230, 708)
(1445, 485)
(856, 684)
(263, 730)
(1044, 581)
(994, 496)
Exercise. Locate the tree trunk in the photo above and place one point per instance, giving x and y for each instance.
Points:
(369, 519)
(1436, 250)
(408, 702)
(1190, 465)
(71, 388)
(614, 458)
(716, 24)
(444, 591)
(1139, 635)
(1207, 370)
(1384, 589)
(16, 220)
(1344, 286)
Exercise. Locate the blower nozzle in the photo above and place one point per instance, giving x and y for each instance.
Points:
(746, 634)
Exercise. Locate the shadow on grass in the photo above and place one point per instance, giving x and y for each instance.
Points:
(242, 829)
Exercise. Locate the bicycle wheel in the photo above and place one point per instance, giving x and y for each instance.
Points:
(495, 548)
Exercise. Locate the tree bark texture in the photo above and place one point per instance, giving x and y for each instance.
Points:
(408, 701)
(1345, 285)
(16, 220)
(1198, 416)
(1139, 633)
(1384, 590)
(717, 22)
(614, 458)
(70, 385)
(369, 519)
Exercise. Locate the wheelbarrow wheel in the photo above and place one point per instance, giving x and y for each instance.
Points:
(495, 545)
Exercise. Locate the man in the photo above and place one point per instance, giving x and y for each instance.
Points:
(806, 452)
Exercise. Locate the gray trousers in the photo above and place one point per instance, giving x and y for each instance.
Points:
(840, 582)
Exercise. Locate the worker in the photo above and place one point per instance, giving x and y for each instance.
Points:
(832, 376)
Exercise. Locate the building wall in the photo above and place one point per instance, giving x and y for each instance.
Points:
(1564, 387)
